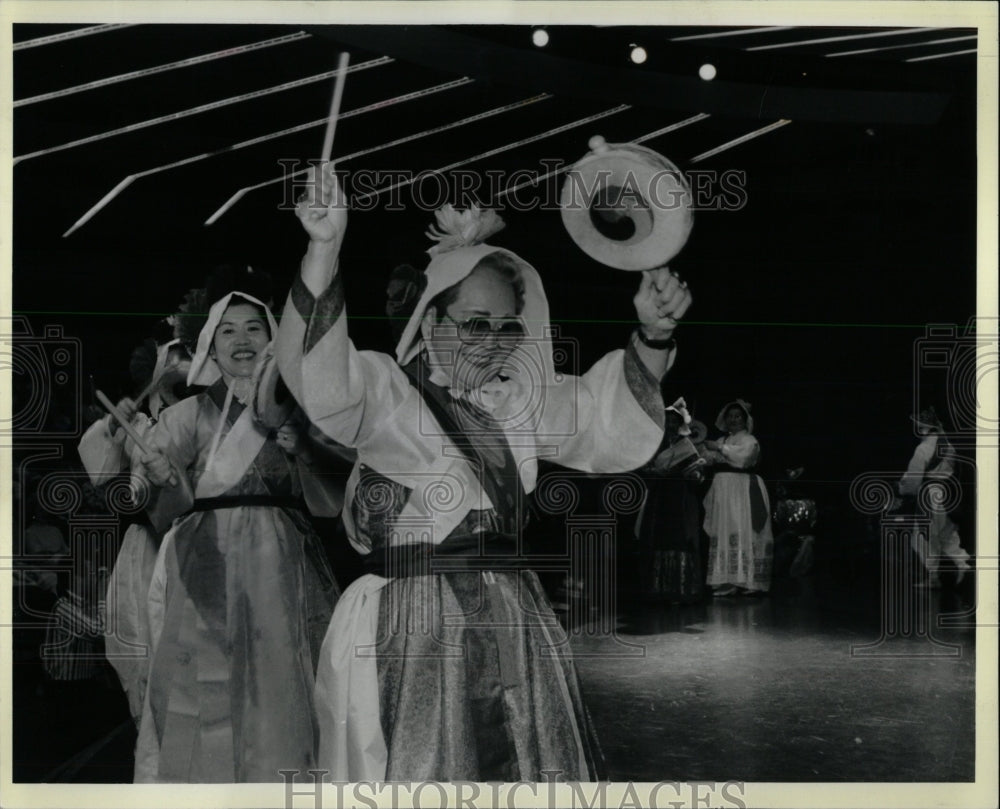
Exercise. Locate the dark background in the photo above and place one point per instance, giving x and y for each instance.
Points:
(856, 234)
(858, 229)
(811, 300)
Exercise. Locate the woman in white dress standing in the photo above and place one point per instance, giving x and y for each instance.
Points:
(737, 509)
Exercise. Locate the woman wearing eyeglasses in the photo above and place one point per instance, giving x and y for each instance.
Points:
(445, 662)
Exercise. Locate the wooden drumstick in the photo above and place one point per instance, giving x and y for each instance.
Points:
(338, 93)
(154, 383)
(118, 416)
(123, 422)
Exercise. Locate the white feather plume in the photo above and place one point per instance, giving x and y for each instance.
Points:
(470, 227)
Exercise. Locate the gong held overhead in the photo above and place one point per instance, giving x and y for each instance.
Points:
(627, 206)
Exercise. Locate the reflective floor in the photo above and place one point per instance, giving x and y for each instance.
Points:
(798, 686)
(792, 687)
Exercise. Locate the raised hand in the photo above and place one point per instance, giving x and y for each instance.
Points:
(322, 207)
(661, 302)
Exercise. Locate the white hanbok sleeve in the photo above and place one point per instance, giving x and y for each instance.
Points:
(914, 475)
(608, 420)
(348, 394)
(175, 435)
(740, 451)
(102, 454)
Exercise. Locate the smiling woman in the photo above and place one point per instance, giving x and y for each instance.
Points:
(241, 337)
(241, 590)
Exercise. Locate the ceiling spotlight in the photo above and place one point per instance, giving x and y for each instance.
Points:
(638, 54)
(540, 37)
(707, 71)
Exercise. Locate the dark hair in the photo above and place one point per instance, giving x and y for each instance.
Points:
(503, 265)
(403, 289)
(238, 299)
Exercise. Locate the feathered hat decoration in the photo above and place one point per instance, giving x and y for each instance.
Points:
(454, 229)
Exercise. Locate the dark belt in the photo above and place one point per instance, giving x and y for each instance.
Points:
(477, 552)
(238, 500)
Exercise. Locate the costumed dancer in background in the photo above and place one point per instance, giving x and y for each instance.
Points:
(933, 464)
(106, 451)
(669, 524)
(461, 675)
(242, 591)
(737, 509)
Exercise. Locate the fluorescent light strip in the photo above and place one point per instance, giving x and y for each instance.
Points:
(214, 105)
(67, 35)
(941, 55)
(738, 33)
(127, 181)
(907, 45)
(894, 33)
(649, 136)
(152, 71)
(742, 139)
(229, 203)
(559, 129)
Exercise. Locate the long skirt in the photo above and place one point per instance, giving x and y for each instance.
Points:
(238, 606)
(668, 533)
(127, 642)
(738, 524)
(477, 682)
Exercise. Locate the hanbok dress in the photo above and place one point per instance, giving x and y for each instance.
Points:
(445, 662)
(126, 631)
(738, 519)
(933, 465)
(668, 529)
(240, 599)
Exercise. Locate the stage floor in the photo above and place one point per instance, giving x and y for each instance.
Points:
(781, 688)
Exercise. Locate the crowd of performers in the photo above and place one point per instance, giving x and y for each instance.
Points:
(444, 660)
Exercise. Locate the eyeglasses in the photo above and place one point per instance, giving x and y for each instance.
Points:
(506, 330)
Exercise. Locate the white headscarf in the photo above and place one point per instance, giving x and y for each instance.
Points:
(453, 261)
(156, 403)
(720, 422)
(204, 369)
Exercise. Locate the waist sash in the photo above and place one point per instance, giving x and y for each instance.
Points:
(475, 552)
(238, 500)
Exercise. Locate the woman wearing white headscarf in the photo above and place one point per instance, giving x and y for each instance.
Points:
(446, 662)
(105, 451)
(241, 591)
(737, 508)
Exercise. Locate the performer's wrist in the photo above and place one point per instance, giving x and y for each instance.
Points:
(658, 339)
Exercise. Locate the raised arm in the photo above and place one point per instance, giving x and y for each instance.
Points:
(344, 392)
(610, 419)
(662, 300)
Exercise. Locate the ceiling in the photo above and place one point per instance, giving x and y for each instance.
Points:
(856, 147)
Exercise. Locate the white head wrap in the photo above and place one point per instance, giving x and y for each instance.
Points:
(743, 405)
(452, 262)
(156, 402)
(204, 369)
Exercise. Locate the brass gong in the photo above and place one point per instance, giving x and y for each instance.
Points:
(626, 206)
